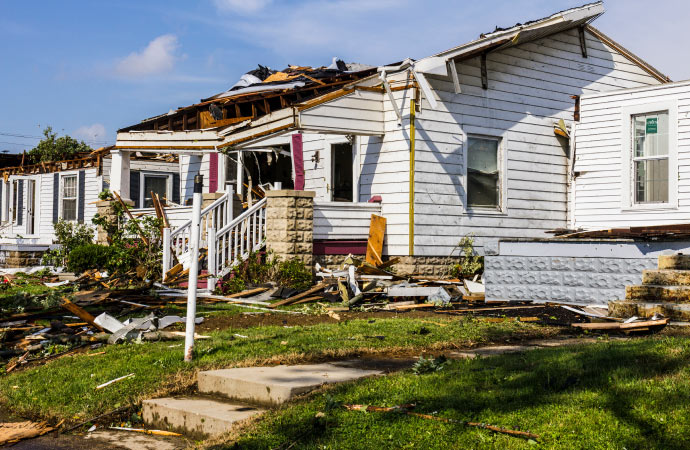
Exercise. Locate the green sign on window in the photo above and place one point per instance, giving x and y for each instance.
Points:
(652, 125)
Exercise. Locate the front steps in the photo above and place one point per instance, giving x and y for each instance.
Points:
(665, 290)
(231, 395)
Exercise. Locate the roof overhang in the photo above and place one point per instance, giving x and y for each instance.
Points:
(193, 142)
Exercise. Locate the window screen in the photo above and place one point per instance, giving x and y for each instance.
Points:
(157, 184)
(483, 184)
(69, 197)
(650, 157)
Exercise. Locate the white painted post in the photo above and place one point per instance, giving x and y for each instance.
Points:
(230, 205)
(166, 251)
(212, 256)
(119, 173)
(194, 267)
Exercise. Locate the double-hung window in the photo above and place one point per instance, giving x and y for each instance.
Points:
(69, 197)
(650, 147)
(483, 174)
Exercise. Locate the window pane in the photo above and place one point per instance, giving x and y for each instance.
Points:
(482, 172)
(69, 209)
(155, 184)
(650, 135)
(651, 181)
(69, 187)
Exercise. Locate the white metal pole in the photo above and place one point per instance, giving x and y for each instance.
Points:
(166, 251)
(194, 267)
(211, 258)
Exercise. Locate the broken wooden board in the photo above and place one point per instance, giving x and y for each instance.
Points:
(304, 294)
(377, 232)
(16, 431)
(81, 313)
(653, 325)
(409, 307)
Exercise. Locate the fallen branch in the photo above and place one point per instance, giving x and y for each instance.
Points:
(406, 409)
(152, 432)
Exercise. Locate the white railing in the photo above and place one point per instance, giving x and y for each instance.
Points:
(216, 215)
(235, 241)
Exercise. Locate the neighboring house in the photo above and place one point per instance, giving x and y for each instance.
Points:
(632, 158)
(34, 197)
(485, 158)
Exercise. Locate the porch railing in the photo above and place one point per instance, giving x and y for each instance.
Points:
(235, 241)
(227, 240)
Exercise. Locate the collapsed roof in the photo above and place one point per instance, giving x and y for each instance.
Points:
(257, 93)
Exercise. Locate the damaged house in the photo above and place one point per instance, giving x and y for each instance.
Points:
(35, 197)
(477, 139)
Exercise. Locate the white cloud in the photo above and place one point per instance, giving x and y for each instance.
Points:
(91, 134)
(157, 58)
(241, 6)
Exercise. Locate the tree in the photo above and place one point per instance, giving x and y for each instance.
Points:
(54, 148)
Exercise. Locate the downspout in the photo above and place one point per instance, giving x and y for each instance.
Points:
(412, 158)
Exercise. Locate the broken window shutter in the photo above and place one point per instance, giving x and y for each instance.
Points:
(134, 187)
(82, 195)
(213, 173)
(176, 188)
(20, 202)
(56, 197)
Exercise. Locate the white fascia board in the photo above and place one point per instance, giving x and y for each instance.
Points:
(433, 65)
(198, 137)
(574, 15)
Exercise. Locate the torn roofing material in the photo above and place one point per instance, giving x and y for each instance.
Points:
(257, 93)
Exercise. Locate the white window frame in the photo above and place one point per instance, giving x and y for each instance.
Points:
(64, 175)
(627, 160)
(501, 208)
(37, 204)
(12, 212)
(168, 185)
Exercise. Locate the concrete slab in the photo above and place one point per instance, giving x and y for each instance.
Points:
(195, 416)
(277, 384)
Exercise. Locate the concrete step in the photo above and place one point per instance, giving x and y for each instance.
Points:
(658, 293)
(277, 384)
(678, 262)
(195, 416)
(625, 309)
(666, 277)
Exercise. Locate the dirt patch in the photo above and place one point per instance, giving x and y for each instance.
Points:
(547, 315)
(281, 319)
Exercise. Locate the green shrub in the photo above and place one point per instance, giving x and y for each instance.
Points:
(260, 268)
(295, 274)
(89, 256)
(69, 235)
(470, 261)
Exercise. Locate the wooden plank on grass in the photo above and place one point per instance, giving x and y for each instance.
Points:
(377, 231)
(406, 307)
(304, 294)
(247, 292)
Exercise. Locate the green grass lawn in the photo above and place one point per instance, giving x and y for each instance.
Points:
(64, 388)
(610, 395)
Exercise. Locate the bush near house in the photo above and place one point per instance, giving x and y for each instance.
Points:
(470, 261)
(261, 267)
(69, 235)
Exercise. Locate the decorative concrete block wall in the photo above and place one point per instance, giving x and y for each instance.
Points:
(578, 272)
(290, 224)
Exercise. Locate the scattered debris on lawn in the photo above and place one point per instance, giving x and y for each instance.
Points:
(142, 430)
(101, 386)
(406, 409)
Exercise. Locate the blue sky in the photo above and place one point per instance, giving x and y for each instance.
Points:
(88, 68)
